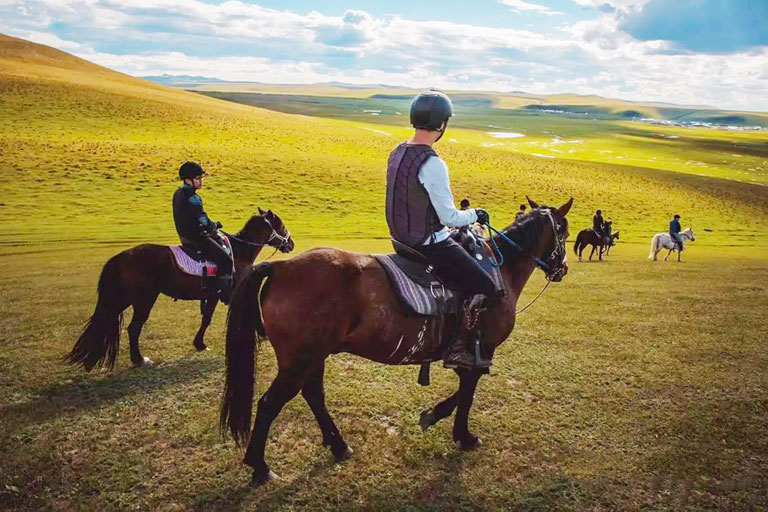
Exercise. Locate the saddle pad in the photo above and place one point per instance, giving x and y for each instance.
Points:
(414, 298)
(190, 266)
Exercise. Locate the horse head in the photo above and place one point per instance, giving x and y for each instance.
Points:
(548, 226)
(268, 229)
(614, 237)
(688, 233)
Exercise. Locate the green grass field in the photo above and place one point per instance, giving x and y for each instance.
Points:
(629, 385)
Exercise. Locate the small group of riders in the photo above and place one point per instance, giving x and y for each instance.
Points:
(420, 213)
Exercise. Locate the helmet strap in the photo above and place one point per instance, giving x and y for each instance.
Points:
(442, 131)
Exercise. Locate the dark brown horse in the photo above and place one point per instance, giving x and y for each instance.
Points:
(597, 241)
(136, 276)
(327, 301)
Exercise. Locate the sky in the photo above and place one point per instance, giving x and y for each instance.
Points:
(693, 52)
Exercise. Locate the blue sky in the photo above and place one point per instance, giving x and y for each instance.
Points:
(703, 52)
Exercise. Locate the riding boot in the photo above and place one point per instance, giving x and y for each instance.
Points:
(457, 355)
(462, 354)
(225, 288)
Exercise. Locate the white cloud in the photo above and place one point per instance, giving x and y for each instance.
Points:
(522, 6)
(621, 5)
(238, 41)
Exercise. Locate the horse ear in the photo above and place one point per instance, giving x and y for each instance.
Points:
(261, 212)
(563, 210)
(531, 202)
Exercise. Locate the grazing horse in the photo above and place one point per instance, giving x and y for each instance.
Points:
(664, 241)
(590, 237)
(327, 301)
(136, 276)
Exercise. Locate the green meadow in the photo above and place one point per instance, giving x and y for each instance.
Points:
(630, 385)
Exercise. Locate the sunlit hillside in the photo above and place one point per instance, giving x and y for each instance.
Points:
(90, 153)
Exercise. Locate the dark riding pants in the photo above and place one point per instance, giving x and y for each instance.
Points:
(214, 252)
(458, 269)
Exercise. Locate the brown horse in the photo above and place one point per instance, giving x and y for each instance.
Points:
(136, 276)
(589, 237)
(327, 301)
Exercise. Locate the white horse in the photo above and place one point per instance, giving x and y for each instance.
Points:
(664, 241)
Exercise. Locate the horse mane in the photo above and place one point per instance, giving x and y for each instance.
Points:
(526, 232)
(250, 222)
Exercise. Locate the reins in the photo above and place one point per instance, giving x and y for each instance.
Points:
(283, 239)
(539, 262)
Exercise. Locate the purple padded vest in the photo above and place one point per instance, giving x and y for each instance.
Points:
(410, 214)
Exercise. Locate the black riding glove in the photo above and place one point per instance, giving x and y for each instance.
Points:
(218, 225)
(482, 216)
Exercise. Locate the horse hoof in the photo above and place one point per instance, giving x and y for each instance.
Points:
(346, 454)
(204, 348)
(426, 419)
(145, 363)
(469, 444)
(259, 479)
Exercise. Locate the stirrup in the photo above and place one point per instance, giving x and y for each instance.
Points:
(479, 361)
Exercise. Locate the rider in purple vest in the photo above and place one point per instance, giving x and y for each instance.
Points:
(420, 209)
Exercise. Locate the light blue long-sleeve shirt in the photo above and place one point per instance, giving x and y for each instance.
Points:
(433, 174)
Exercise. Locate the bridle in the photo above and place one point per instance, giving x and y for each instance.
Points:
(554, 264)
(274, 235)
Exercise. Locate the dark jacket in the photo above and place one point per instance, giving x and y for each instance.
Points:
(410, 215)
(674, 227)
(192, 223)
(597, 223)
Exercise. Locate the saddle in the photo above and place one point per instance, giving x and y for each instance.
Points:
(418, 289)
(190, 260)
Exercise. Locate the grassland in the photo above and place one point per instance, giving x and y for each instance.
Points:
(630, 385)
(735, 155)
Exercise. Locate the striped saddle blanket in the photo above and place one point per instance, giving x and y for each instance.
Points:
(420, 291)
(194, 266)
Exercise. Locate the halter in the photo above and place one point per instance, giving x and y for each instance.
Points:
(272, 236)
(558, 251)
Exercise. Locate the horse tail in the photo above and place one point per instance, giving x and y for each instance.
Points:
(99, 342)
(576, 244)
(243, 322)
(653, 246)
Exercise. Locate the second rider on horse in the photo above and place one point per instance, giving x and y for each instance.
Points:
(197, 231)
(420, 209)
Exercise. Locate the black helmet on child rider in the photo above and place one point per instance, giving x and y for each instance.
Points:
(190, 170)
(430, 109)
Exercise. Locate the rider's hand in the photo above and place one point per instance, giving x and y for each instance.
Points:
(218, 225)
(482, 216)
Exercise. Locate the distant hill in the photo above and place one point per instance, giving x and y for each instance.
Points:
(565, 104)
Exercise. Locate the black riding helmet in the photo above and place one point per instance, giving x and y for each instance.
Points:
(190, 170)
(430, 109)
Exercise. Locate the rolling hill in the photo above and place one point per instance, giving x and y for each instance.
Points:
(88, 154)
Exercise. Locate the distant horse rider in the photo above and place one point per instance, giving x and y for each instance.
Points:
(420, 209)
(520, 213)
(196, 230)
(674, 231)
(598, 225)
(607, 228)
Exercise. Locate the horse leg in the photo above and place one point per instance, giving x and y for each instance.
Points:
(667, 256)
(142, 305)
(314, 393)
(466, 394)
(207, 307)
(438, 412)
(600, 254)
(592, 253)
(285, 386)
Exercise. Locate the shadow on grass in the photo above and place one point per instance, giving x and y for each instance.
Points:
(85, 392)
(445, 489)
